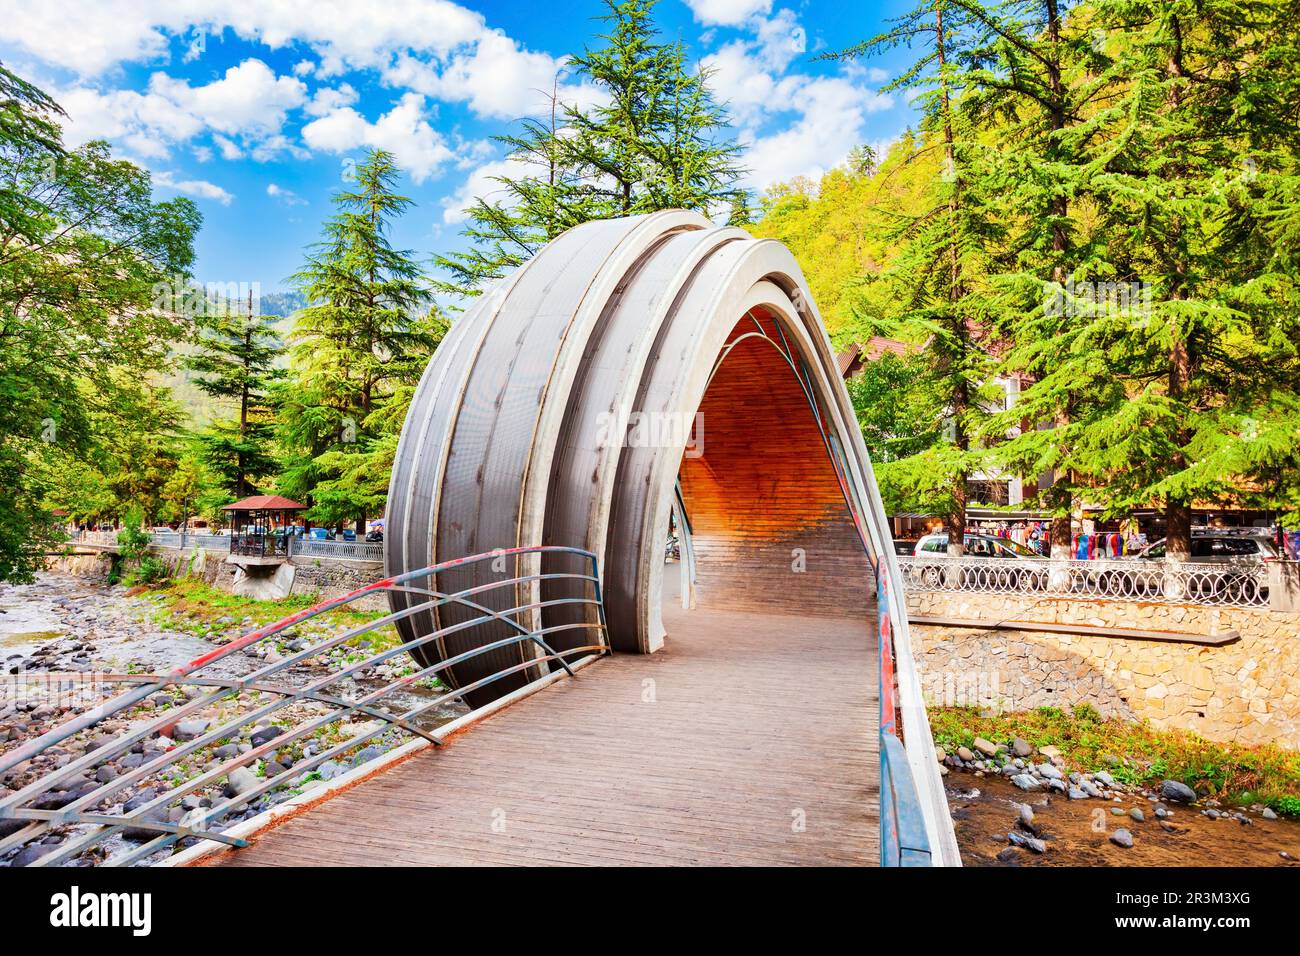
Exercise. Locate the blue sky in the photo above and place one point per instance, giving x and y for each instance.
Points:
(254, 108)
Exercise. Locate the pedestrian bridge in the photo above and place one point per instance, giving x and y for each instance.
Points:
(749, 697)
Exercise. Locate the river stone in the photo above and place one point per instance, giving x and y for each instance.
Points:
(239, 780)
(1137, 815)
(986, 747)
(189, 729)
(1050, 752)
(226, 751)
(965, 754)
(1028, 842)
(1008, 854)
(1268, 814)
(1076, 794)
(1048, 771)
(1024, 781)
(367, 754)
(264, 735)
(1122, 837)
(1180, 792)
(1103, 778)
(1021, 747)
(1026, 814)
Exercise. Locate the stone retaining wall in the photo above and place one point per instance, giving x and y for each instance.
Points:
(1247, 691)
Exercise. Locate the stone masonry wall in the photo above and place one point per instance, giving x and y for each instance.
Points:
(1247, 691)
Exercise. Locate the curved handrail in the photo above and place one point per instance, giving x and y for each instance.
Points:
(86, 808)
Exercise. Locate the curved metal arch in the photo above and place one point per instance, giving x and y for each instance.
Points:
(517, 435)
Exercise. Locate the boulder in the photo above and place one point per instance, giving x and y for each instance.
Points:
(1176, 791)
(1121, 837)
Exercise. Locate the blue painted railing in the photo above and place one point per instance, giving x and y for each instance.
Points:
(903, 840)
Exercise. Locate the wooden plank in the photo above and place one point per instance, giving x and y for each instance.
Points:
(749, 739)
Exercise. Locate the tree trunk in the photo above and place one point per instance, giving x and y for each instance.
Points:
(1178, 527)
(955, 521)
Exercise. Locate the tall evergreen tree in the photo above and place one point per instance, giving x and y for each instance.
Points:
(236, 361)
(937, 275)
(364, 334)
(1036, 82)
(655, 142)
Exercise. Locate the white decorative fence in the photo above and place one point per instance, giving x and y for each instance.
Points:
(1220, 584)
(345, 550)
(298, 547)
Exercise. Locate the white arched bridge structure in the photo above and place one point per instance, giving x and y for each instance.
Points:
(641, 440)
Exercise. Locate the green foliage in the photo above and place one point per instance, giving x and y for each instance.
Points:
(236, 361)
(357, 350)
(937, 279)
(652, 142)
(83, 250)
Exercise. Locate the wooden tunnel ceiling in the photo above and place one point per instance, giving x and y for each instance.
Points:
(519, 435)
(769, 521)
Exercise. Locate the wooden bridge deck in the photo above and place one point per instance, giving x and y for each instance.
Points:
(756, 723)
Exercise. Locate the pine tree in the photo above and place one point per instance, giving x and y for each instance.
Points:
(937, 274)
(363, 335)
(1176, 364)
(656, 142)
(236, 361)
(533, 209)
(1035, 83)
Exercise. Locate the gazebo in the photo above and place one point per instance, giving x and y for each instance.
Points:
(259, 528)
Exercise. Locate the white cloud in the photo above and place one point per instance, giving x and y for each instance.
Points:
(245, 110)
(780, 40)
(285, 196)
(434, 47)
(831, 122)
(481, 183)
(354, 34)
(249, 100)
(192, 187)
(403, 130)
(728, 13)
(146, 124)
(792, 123)
(329, 98)
(496, 77)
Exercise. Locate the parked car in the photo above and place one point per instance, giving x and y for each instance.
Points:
(1210, 547)
(904, 549)
(976, 545)
(1032, 575)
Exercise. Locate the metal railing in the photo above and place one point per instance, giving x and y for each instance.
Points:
(186, 788)
(259, 545)
(1218, 584)
(903, 839)
(345, 550)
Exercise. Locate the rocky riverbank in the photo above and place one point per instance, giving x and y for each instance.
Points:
(61, 635)
(1014, 804)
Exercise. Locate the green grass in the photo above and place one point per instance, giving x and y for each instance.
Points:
(186, 604)
(1233, 773)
